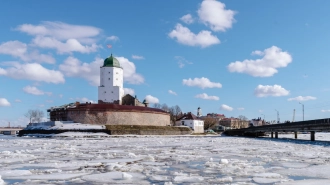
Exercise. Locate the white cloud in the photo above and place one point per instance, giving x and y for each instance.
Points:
(182, 61)
(32, 71)
(4, 102)
(272, 59)
(257, 52)
(302, 98)
(130, 75)
(201, 82)
(18, 100)
(260, 111)
(241, 108)
(35, 91)
(20, 50)
(213, 14)
(13, 48)
(206, 97)
(226, 107)
(188, 19)
(137, 57)
(72, 67)
(267, 90)
(3, 71)
(69, 46)
(65, 38)
(61, 31)
(325, 110)
(152, 99)
(172, 92)
(113, 38)
(129, 91)
(184, 36)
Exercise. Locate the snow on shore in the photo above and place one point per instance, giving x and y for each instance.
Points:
(62, 125)
(163, 160)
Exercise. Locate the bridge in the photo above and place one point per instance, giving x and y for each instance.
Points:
(10, 130)
(312, 126)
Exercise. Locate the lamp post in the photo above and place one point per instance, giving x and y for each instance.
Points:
(278, 116)
(303, 111)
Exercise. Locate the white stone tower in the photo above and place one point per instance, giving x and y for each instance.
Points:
(111, 81)
(199, 112)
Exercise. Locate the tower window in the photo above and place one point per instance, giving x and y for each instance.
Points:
(109, 78)
(111, 91)
(116, 78)
(109, 72)
(105, 91)
(116, 72)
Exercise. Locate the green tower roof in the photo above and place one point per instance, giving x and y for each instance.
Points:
(111, 62)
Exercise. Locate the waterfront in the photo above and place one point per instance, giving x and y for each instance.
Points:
(164, 160)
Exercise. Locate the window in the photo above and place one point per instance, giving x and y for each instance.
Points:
(182, 122)
(105, 91)
(116, 72)
(109, 78)
(116, 78)
(109, 72)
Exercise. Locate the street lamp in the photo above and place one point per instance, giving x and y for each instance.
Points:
(303, 111)
(278, 116)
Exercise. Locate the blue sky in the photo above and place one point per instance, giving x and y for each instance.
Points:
(231, 57)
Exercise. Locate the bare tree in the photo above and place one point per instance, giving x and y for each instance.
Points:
(165, 108)
(172, 116)
(177, 110)
(209, 122)
(35, 116)
(157, 105)
(241, 117)
(174, 111)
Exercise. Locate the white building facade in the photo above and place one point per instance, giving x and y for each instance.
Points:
(190, 120)
(111, 88)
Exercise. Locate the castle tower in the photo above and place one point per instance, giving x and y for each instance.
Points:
(111, 81)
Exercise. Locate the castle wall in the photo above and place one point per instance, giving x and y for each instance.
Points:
(109, 117)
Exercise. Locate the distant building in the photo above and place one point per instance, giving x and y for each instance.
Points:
(256, 122)
(130, 100)
(234, 123)
(192, 121)
(217, 118)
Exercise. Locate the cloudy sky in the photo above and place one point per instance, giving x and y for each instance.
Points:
(236, 58)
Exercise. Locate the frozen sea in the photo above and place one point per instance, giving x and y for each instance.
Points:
(167, 160)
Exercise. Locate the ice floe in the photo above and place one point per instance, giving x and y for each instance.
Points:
(162, 160)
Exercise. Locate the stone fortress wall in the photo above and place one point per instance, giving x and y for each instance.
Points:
(110, 114)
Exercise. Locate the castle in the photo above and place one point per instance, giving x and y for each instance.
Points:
(113, 107)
